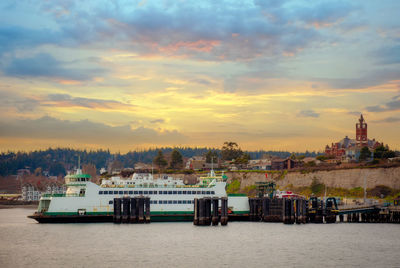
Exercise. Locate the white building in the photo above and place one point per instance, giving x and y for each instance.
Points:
(30, 193)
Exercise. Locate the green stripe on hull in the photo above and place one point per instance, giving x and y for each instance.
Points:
(152, 213)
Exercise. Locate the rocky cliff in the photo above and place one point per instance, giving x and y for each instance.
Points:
(344, 178)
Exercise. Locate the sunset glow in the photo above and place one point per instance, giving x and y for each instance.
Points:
(123, 75)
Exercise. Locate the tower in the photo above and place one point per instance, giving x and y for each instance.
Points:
(361, 133)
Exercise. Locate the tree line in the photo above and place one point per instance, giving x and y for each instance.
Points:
(57, 161)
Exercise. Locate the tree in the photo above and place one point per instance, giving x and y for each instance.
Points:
(382, 152)
(57, 169)
(176, 159)
(230, 151)
(243, 159)
(211, 155)
(159, 160)
(90, 169)
(365, 153)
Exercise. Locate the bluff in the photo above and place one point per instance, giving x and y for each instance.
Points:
(342, 178)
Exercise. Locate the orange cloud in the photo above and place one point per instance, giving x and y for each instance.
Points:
(199, 46)
(69, 82)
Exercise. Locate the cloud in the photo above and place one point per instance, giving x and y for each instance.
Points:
(323, 14)
(388, 55)
(308, 113)
(367, 79)
(45, 65)
(212, 30)
(14, 37)
(389, 106)
(157, 121)
(388, 120)
(20, 103)
(354, 113)
(65, 100)
(86, 131)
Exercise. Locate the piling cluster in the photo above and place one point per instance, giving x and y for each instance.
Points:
(377, 216)
(320, 211)
(207, 211)
(132, 210)
(283, 210)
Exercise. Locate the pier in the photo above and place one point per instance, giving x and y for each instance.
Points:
(207, 211)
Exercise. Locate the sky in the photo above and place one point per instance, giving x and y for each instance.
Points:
(129, 75)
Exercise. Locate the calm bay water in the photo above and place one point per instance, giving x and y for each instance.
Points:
(23, 242)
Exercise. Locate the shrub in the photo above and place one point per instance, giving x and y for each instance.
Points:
(233, 187)
(317, 187)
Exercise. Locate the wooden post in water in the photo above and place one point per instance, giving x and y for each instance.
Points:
(141, 210)
(133, 215)
(215, 217)
(196, 211)
(224, 211)
(126, 209)
(202, 211)
(117, 210)
(147, 209)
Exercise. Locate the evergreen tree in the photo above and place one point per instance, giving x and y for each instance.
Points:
(159, 160)
(211, 155)
(176, 160)
(365, 153)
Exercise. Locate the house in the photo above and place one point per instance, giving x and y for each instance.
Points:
(30, 193)
(259, 164)
(33, 189)
(281, 164)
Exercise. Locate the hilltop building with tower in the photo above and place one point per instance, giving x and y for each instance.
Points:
(347, 150)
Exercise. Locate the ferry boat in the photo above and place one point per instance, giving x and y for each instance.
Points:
(170, 199)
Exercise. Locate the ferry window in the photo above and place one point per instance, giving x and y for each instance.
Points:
(145, 192)
(189, 201)
(169, 201)
(179, 192)
(179, 201)
(130, 192)
(159, 192)
(135, 192)
(184, 192)
(110, 202)
(193, 192)
(212, 192)
(105, 192)
(184, 201)
(165, 192)
(125, 192)
(198, 192)
(203, 192)
(121, 192)
(150, 192)
(165, 202)
(174, 192)
(154, 192)
(208, 192)
(140, 192)
(100, 192)
(175, 202)
(115, 192)
(169, 192)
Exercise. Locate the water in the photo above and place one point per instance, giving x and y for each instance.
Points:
(23, 242)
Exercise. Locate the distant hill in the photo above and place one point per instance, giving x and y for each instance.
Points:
(57, 161)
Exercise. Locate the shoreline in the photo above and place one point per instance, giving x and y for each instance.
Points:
(18, 204)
